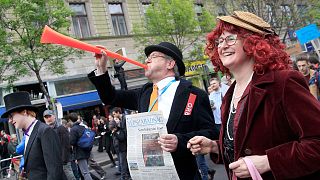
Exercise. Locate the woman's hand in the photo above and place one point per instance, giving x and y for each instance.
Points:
(101, 61)
(202, 145)
(241, 170)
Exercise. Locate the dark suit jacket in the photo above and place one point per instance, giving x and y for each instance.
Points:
(64, 138)
(200, 122)
(43, 154)
(75, 134)
(280, 120)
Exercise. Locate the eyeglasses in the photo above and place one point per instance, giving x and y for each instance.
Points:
(47, 116)
(155, 56)
(230, 40)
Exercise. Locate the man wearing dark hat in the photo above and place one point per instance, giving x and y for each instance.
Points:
(42, 158)
(185, 107)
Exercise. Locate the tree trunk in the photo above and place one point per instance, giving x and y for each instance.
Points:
(44, 90)
(51, 103)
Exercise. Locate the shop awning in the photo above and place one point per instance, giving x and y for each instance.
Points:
(72, 102)
(79, 101)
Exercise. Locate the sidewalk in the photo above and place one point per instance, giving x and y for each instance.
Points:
(102, 158)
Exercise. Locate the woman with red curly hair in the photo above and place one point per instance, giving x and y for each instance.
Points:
(270, 120)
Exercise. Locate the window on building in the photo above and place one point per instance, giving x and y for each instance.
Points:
(80, 20)
(286, 12)
(118, 19)
(72, 86)
(244, 7)
(222, 10)
(302, 11)
(33, 89)
(198, 9)
(270, 17)
(145, 5)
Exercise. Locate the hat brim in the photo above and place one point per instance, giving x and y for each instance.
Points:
(236, 22)
(181, 67)
(6, 114)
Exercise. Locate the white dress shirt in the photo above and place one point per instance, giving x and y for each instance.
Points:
(29, 134)
(166, 99)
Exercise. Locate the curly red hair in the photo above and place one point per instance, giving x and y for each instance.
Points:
(267, 50)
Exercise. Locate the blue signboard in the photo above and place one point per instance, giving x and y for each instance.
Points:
(307, 33)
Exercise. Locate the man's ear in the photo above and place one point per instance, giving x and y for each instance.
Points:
(171, 64)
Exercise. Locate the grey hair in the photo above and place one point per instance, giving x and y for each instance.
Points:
(176, 72)
(175, 68)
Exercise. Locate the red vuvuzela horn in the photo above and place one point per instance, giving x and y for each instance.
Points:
(52, 37)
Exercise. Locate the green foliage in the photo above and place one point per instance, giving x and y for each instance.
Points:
(21, 26)
(314, 11)
(173, 21)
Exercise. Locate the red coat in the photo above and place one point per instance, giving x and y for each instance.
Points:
(281, 119)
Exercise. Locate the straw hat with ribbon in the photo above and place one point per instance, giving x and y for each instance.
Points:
(248, 21)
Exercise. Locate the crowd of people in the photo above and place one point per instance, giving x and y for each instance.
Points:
(262, 124)
(75, 161)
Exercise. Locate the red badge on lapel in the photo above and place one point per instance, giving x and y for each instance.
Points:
(190, 104)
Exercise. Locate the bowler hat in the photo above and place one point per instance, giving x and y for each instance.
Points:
(17, 101)
(170, 50)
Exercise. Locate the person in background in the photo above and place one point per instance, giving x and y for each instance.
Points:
(216, 98)
(4, 134)
(4, 154)
(311, 76)
(91, 161)
(42, 154)
(12, 150)
(12, 145)
(50, 119)
(65, 146)
(94, 123)
(314, 62)
(100, 132)
(114, 128)
(95, 166)
(108, 139)
(120, 133)
(120, 73)
(270, 120)
(81, 155)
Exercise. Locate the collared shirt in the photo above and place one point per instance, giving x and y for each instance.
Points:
(29, 134)
(216, 97)
(166, 99)
(224, 88)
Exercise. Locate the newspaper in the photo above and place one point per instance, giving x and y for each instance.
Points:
(146, 159)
